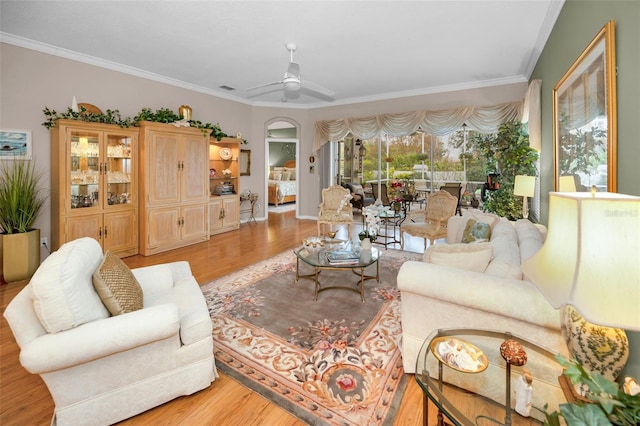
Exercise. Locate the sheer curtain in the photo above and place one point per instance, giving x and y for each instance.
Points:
(438, 123)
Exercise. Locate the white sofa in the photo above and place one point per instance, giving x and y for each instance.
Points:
(493, 296)
(102, 368)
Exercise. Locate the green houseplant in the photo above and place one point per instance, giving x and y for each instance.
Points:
(508, 153)
(21, 200)
(605, 402)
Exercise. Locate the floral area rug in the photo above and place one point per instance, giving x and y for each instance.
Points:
(332, 362)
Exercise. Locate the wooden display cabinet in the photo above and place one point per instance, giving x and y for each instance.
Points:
(174, 183)
(224, 205)
(94, 188)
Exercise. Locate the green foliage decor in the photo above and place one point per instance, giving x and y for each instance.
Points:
(507, 152)
(110, 117)
(20, 198)
(162, 115)
(607, 403)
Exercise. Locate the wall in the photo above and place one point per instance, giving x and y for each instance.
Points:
(577, 25)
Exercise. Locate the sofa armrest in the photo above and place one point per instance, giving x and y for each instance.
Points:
(101, 338)
(503, 296)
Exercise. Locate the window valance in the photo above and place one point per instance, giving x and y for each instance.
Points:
(439, 123)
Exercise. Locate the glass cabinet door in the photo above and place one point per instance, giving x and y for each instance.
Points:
(85, 169)
(118, 169)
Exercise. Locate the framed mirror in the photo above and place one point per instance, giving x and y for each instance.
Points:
(245, 162)
(584, 114)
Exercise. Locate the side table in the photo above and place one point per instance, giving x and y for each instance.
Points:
(487, 395)
(252, 198)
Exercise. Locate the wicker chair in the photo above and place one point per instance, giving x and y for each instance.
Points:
(440, 207)
(335, 208)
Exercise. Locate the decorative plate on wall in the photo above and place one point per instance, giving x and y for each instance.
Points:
(225, 154)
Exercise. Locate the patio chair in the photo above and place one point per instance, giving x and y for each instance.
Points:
(441, 206)
(455, 189)
(335, 208)
(383, 196)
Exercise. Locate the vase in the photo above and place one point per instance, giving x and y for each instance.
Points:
(366, 244)
(20, 255)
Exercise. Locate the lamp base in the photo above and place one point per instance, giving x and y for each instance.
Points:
(600, 349)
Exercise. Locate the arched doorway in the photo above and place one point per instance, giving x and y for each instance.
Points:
(281, 160)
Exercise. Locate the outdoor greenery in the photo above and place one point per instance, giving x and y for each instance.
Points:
(162, 115)
(20, 197)
(608, 402)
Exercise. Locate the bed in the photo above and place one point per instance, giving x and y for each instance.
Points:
(282, 183)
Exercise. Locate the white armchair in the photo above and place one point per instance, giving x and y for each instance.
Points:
(99, 368)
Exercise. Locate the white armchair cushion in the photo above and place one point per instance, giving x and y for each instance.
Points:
(472, 257)
(62, 288)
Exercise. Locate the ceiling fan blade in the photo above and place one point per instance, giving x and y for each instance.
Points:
(265, 85)
(318, 89)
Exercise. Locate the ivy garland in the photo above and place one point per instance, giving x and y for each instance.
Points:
(162, 115)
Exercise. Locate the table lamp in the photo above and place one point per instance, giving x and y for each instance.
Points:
(567, 184)
(590, 261)
(525, 186)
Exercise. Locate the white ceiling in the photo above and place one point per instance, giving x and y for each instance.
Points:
(362, 50)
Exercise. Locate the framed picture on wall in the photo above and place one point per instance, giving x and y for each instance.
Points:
(245, 162)
(15, 144)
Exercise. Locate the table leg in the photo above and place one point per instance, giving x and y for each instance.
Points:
(425, 409)
(317, 283)
(362, 284)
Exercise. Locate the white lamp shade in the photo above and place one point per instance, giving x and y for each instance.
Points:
(591, 257)
(567, 184)
(525, 186)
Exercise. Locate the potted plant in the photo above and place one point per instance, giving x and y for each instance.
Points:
(604, 402)
(508, 152)
(20, 203)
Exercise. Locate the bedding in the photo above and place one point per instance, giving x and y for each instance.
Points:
(282, 184)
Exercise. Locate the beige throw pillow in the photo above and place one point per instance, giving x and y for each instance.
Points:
(117, 287)
(472, 257)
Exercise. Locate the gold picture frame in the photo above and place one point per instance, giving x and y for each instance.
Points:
(585, 118)
(245, 162)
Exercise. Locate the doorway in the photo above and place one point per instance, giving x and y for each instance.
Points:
(282, 167)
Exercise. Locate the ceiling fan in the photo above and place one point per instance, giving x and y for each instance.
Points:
(293, 85)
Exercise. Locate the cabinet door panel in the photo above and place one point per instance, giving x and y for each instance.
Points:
(120, 231)
(163, 169)
(84, 226)
(215, 215)
(231, 212)
(163, 227)
(195, 178)
(196, 224)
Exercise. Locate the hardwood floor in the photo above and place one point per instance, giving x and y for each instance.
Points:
(25, 400)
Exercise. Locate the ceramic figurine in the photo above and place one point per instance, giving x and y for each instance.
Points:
(524, 392)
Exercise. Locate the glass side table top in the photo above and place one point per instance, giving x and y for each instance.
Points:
(462, 373)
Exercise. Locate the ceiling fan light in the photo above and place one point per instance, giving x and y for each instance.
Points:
(292, 85)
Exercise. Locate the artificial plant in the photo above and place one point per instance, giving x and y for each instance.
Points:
(162, 115)
(21, 199)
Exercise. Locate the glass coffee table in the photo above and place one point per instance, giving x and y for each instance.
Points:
(463, 373)
(317, 258)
